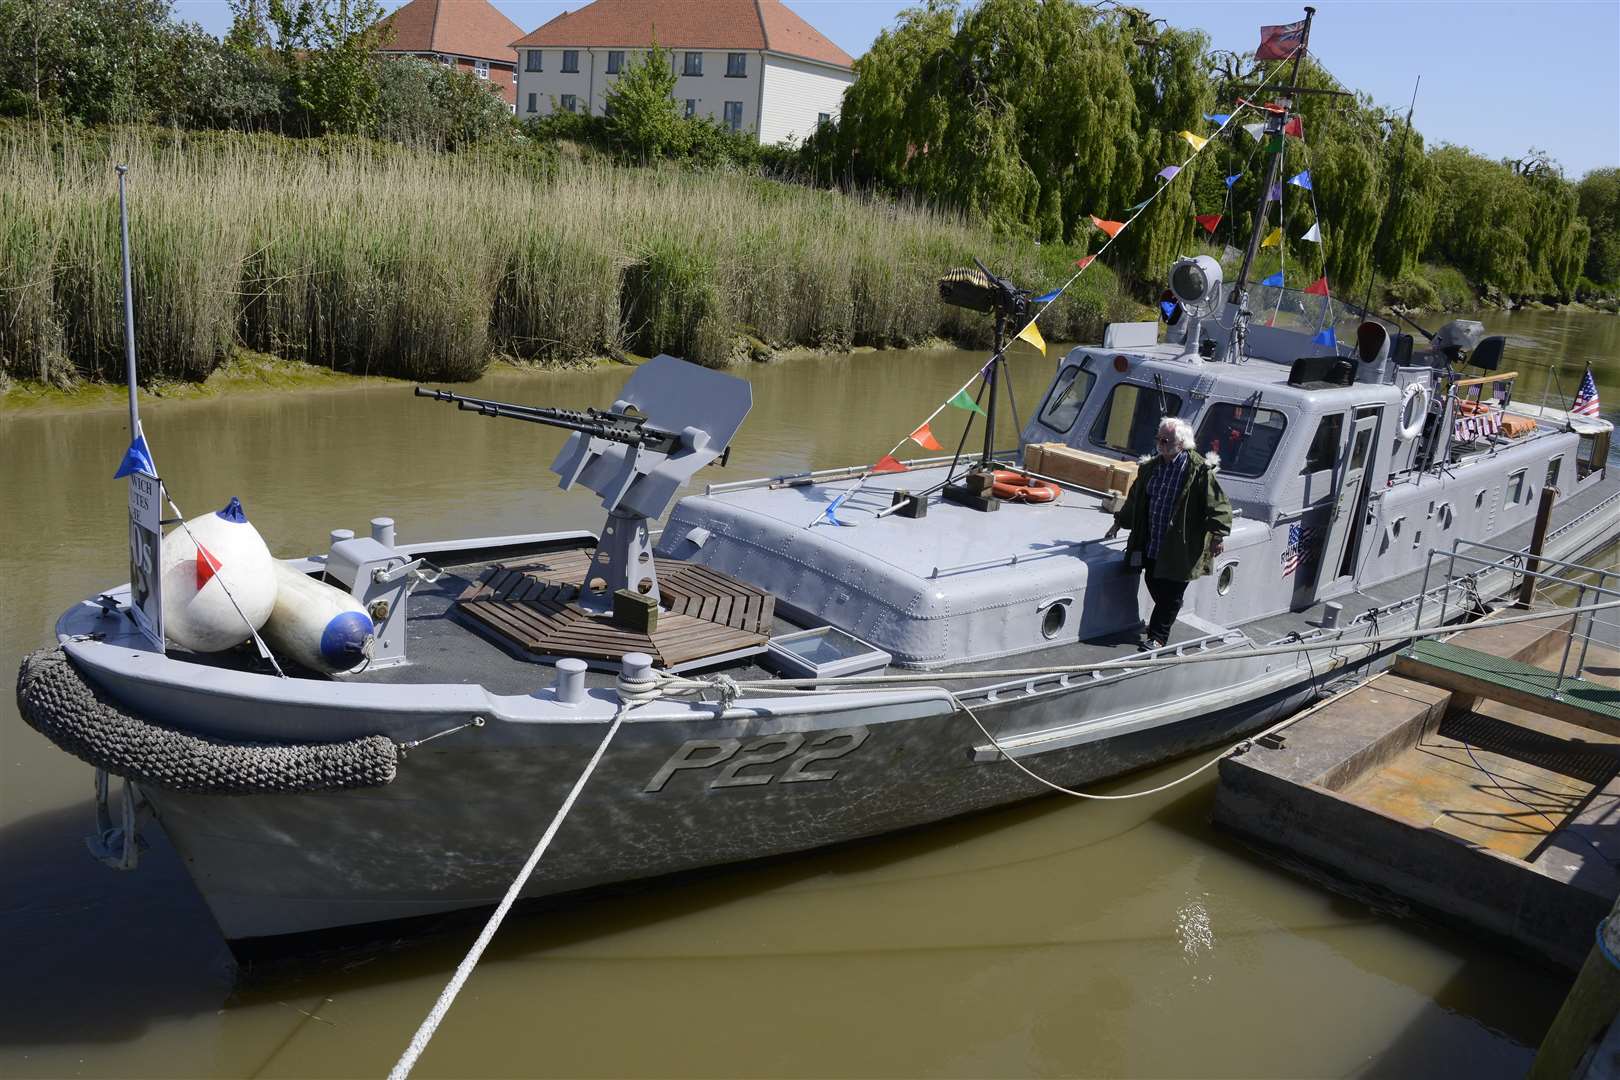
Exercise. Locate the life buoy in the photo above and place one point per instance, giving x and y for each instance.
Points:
(1019, 487)
(1410, 427)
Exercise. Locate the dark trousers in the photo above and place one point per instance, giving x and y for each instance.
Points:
(1167, 596)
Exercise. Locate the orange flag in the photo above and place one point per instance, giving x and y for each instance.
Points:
(888, 463)
(1084, 261)
(207, 566)
(1110, 227)
(924, 437)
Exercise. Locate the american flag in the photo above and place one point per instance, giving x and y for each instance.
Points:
(1301, 541)
(1586, 398)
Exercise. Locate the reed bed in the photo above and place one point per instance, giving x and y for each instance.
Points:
(369, 259)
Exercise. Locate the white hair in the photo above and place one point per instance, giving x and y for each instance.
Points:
(1180, 429)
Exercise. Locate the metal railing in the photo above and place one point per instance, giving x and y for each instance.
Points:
(1550, 573)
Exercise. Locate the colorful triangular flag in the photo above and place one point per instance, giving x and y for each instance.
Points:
(1234, 178)
(1302, 179)
(1138, 206)
(207, 566)
(1257, 130)
(1275, 280)
(1208, 221)
(1275, 194)
(1110, 227)
(1218, 118)
(1048, 298)
(1196, 141)
(962, 401)
(1319, 287)
(1273, 238)
(1313, 234)
(136, 459)
(1085, 260)
(1168, 173)
(1326, 337)
(1032, 334)
(1168, 308)
(1295, 126)
(888, 463)
(830, 514)
(924, 437)
(1275, 145)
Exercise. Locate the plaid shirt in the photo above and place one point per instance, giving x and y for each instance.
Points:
(1163, 487)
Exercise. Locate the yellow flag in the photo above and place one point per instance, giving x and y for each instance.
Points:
(1273, 238)
(1032, 334)
(1197, 141)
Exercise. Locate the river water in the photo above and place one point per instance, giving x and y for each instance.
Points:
(1053, 938)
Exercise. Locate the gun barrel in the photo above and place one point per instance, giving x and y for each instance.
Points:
(628, 430)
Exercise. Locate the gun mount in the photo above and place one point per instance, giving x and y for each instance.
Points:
(671, 419)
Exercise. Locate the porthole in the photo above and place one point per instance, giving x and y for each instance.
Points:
(1446, 515)
(1053, 619)
(1223, 581)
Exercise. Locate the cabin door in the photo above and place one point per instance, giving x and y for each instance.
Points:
(1350, 508)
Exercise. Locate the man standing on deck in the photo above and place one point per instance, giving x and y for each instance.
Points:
(1178, 518)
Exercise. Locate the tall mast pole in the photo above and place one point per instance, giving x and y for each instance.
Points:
(1274, 130)
(129, 312)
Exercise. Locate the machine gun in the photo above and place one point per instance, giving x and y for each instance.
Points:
(671, 419)
(627, 428)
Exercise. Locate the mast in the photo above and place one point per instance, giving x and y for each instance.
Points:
(1274, 129)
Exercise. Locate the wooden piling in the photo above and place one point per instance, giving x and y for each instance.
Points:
(1527, 587)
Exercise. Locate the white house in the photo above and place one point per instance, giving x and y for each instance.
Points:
(752, 65)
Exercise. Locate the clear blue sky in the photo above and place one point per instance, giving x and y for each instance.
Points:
(1499, 77)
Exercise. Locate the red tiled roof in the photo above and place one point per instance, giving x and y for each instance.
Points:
(456, 27)
(688, 24)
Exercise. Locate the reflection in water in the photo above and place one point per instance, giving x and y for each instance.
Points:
(1048, 938)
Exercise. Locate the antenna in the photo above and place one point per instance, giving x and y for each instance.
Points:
(1397, 190)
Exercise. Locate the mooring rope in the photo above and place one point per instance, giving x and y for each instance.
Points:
(430, 1024)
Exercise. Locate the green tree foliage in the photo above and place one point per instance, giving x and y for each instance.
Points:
(1598, 194)
(436, 107)
(642, 122)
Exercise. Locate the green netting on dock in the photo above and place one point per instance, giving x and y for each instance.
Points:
(1520, 677)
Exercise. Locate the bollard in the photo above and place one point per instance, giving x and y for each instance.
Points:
(340, 535)
(382, 531)
(1330, 614)
(570, 684)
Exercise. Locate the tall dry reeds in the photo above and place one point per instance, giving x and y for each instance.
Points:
(371, 259)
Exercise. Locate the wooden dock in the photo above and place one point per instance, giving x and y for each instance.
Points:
(1470, 780)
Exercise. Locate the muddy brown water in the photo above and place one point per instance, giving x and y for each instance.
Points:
(1052, 938)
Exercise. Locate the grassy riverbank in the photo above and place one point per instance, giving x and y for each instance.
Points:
(373, 260)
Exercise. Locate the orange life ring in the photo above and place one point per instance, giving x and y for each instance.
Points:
(1018, 487)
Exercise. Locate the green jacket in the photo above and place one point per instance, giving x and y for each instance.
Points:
(1202, 514)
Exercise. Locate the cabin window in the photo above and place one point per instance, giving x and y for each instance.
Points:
(571, 60)
(1065, 398)
(1515, 488)
(1245, 437)
(1324, 451)
(1554, 467)
(1130, 420)
(615, 61)
(1591, 455)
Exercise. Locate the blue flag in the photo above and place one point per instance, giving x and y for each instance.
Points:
(137, 459)
(1230, 180)
(1219, 118)
(1302, 180)
(1326, 337)
(1049, 297)
(830, 514)
(1275, 280)
(1168, 308)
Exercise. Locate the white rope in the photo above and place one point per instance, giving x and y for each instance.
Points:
(430, 1024)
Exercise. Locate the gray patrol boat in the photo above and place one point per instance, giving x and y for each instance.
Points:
(799, 661)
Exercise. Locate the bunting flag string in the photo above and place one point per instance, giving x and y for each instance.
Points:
(1218, 118)
(1326, 337)
(137, 459)
(1234, 178)
(923, 435)
(1302, 179)
(1319, 287)
(1313, 234)
(1210, 222)
(1275, 281)
(1256, 131)
(1047, 299)
(1273, 238)
(1294, 127)
(1168, 173)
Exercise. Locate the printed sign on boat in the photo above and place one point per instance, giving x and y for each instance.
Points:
(145, 555)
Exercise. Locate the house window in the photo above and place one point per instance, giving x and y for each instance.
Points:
(822, 118)
(448, 61)
(694, 64)
(481, 68)
(615, 61)
(532, 61)
(691, 108)
(734, 115)
(533, 104)
(570, 60)
(570, 103)
(736, 65)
